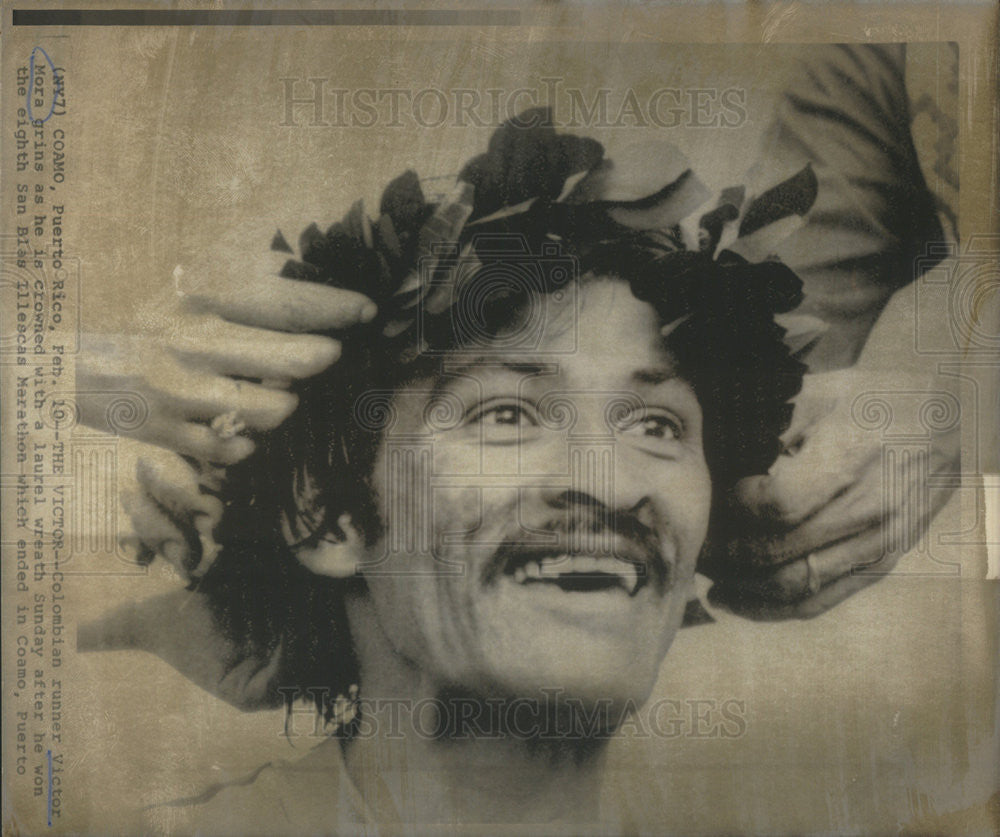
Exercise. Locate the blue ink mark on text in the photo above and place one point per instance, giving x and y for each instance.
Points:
(56, 83)
(48, 756)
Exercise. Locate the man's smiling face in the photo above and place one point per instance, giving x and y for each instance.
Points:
(544, 507)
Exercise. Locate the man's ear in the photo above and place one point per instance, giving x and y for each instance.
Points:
(335, 559)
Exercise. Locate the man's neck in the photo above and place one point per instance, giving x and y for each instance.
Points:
(415, 779)
(420, 755)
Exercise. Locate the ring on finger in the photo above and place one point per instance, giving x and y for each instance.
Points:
(228, 425)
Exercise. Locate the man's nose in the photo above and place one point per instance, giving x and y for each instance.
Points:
(592, 524)
(577, 501)
(603, 472)
(588, 521)
(600, 475)
(588, 465)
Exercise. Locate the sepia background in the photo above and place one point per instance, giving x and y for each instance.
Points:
(879, 715)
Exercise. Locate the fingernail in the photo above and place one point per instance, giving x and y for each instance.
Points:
(367, 312)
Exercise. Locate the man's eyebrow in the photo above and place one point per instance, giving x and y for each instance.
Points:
(654, 375)
(453, 373)
(524, 367)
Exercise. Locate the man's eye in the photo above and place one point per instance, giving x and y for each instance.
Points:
(652, 428)
(503, 421)
(661, 427)
(509, 414)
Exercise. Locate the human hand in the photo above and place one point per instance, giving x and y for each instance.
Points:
(838, 511)
(223, 345)
(172, 507)
(216, 356)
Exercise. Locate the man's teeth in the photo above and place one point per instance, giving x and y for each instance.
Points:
(562, 565)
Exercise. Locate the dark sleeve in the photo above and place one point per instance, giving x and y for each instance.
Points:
(845, 110)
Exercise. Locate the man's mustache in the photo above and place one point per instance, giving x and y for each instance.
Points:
(585, 529)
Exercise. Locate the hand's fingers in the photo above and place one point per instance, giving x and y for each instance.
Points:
(282, 304)
(829, 462)
(119, 392)
(816, 400)
(897, 496)
(830, 596)
(205, 397)
(230, 349)
(868, 564)
(859, 508)
(779, 594)
(173, 484)
(155, 529)
(211, 478)
(808, 576)
(196, 440)
(167, 388)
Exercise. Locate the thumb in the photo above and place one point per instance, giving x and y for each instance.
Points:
(817, 399)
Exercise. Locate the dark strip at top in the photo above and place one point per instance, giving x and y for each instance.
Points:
(279, 17)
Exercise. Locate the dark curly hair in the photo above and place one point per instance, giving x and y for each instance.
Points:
(318, 465)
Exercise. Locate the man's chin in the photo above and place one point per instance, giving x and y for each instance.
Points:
(595, 646)
(587, 678)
